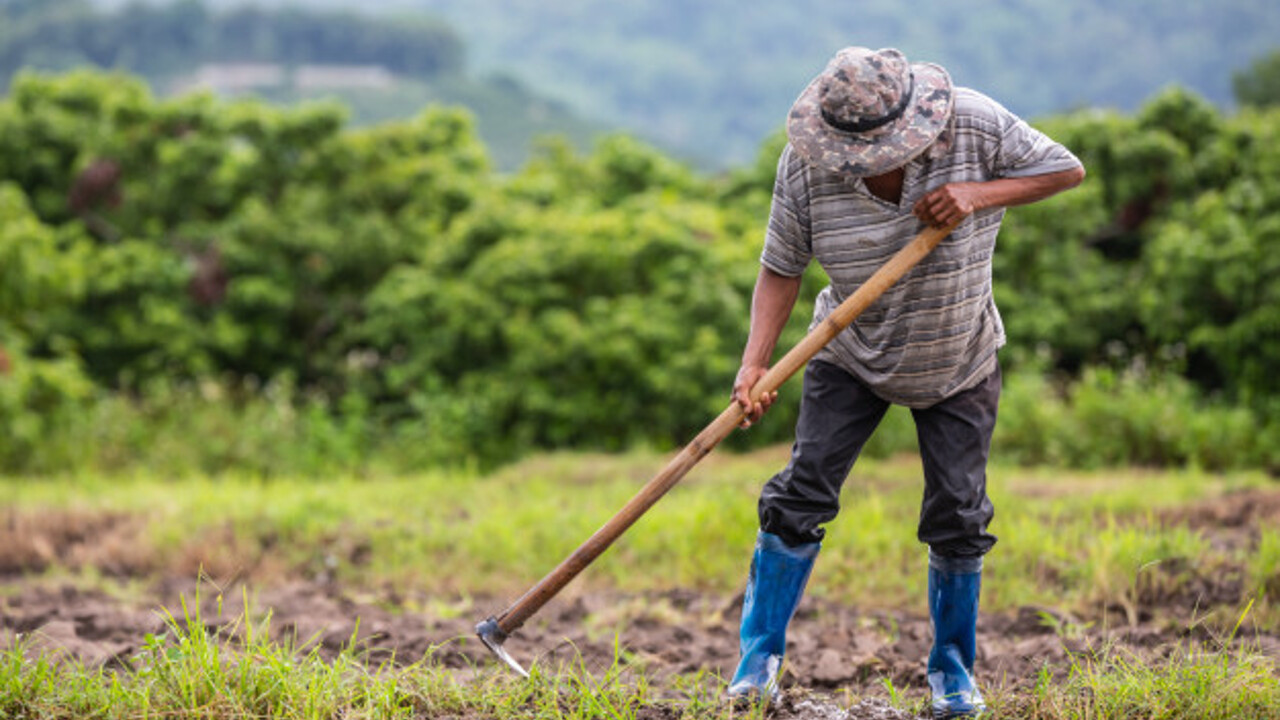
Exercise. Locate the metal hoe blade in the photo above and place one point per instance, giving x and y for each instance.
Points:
(492, 636)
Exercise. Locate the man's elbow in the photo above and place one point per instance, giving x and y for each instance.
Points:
(1073, 177)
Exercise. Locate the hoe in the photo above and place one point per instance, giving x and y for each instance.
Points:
(496, 629)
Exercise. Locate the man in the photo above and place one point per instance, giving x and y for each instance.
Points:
(877, 147)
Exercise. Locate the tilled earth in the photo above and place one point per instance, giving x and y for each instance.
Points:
(831, 648)
(834, 651)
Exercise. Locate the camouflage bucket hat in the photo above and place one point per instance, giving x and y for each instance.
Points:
(870, 111)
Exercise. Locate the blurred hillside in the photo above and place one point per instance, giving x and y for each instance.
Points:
(711, 79)
(379, 67)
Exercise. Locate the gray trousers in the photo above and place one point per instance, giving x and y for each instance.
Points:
(838, 415)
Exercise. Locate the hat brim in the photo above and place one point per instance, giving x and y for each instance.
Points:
(886, 148)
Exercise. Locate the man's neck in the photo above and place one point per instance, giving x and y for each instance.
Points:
(888, 186)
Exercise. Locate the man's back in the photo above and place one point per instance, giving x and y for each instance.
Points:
(937, 331)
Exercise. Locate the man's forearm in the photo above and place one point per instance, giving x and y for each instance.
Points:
(771, 304)
(957, 200)
(1007, 192)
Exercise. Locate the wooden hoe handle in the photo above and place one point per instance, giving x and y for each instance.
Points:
(875, 286)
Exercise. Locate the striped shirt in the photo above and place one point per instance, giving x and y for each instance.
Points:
(936, 331)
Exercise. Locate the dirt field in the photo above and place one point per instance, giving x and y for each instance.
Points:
(832, 648)
(835, 651)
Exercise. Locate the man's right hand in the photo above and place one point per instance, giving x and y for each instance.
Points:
(771, 304)
(748, 376)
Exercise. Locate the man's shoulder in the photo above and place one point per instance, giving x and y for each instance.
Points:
(976, 107)
(793, 167)
(791, 160)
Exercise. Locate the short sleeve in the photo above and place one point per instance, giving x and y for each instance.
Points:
(788, 245)
(1025, 151)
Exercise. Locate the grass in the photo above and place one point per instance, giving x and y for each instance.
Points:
(1081, 539)
(191, 671)
(1220, 680)
(1083, 542)
(242, 671)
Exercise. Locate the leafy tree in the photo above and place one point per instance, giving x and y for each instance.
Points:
(588, 306)
(1259, 84)
(1212, 273)
(43, 274)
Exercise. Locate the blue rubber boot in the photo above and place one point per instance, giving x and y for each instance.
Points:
(778, 576)
(954, 585)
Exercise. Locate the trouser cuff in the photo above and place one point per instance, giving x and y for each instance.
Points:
(955, 565)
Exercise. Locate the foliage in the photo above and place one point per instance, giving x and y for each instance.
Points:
(578, 308)
(241, 242)
(189, 265)
(1161, 255)
(1259, 84)
(1213, 271)
(1135, 416)
(42, 275)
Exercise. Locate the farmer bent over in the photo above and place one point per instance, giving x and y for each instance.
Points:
(879, 147)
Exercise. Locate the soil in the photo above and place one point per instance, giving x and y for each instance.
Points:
(834, 651)
(841, 660)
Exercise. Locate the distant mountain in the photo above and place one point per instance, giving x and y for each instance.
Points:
(711, 78)
(380, 66)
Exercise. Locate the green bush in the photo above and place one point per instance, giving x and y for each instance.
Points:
(299, 294)
(42, 275)
(1129, 417)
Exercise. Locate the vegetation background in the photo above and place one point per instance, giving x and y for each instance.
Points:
(268, 275)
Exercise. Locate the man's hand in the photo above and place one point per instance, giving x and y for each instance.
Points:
(748, 376)
(771, 304)
(949, 202)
